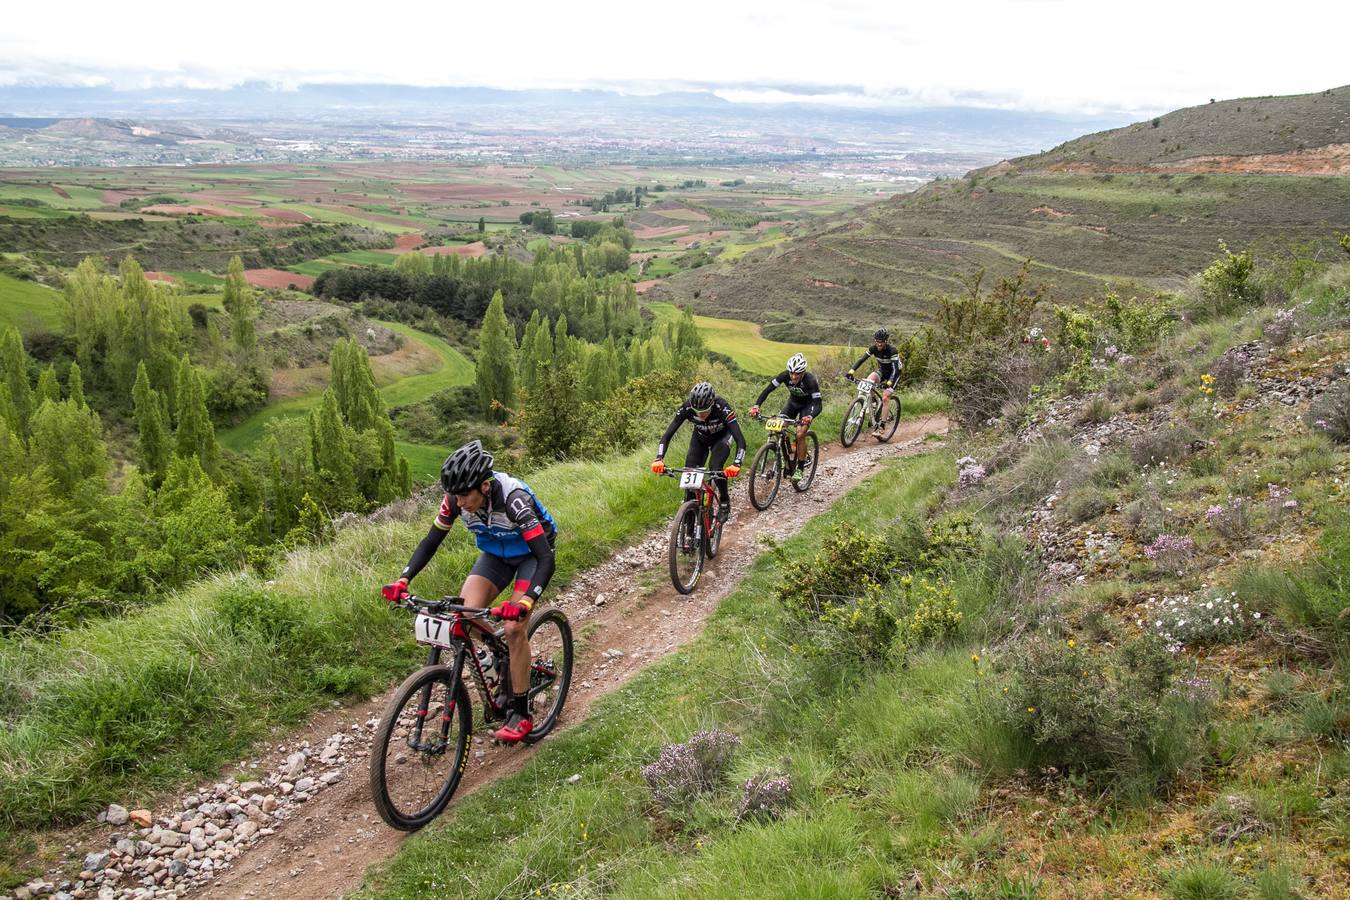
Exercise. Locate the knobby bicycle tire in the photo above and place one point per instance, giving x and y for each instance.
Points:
(683, 546)
(394, 720)
(551, 615)
(767, 459)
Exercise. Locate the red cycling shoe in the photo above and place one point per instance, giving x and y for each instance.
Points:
(516, 729)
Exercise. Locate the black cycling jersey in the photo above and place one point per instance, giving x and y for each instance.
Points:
(721, 420)
(888, 362)
(804, 392)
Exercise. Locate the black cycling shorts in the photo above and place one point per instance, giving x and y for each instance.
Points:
(714, 452)
(504, 571)
(797, 408)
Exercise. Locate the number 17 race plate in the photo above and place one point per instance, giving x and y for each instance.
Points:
(431, 630)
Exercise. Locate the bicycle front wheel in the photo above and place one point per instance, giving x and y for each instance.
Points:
(853, 422)
(890, 419)
(550, 669)
(686, 548)
(420, 748)
(766, 473)
(808, 465)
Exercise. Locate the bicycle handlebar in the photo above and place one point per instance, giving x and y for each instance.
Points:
(445, 604)
(672, 471)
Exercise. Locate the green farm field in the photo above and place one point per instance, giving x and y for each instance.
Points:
(29, 306)
(743, 342)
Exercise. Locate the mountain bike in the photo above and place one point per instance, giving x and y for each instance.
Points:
(866, 409)
(766, 472)
(421, 744)
(696, 532)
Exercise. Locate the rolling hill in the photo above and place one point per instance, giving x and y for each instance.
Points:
(1140, 207)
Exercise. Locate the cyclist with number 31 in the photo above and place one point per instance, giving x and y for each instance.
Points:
(715, 427)
(804, 404)
(515, 535)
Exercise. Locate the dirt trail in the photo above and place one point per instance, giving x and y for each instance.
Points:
(326, 844)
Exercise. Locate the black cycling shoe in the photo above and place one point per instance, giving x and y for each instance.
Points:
(724, 510)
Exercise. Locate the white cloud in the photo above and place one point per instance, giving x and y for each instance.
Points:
(1041, 54)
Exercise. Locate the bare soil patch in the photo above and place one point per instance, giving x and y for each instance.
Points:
(161, 276)
(405, 242)
(277, 278)
(476, 249)
(285, 215)
(174, 209)
(648, 232)
(690, 239)
(1051, 212)
(643, 286)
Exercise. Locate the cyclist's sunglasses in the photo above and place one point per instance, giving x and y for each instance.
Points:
(703, 412)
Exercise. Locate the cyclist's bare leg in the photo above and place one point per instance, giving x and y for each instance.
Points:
(479, 592)
(802, 428)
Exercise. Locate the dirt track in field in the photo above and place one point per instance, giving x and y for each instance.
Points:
(325, 847)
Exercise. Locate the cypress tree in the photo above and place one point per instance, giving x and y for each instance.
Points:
(152, 441)
(366, 406)
(333, 457)
(283, 501)
(525, 361)
(196, 435)
(14, 370)
(48, 388)
(496, 361)
(338, 370)
(404, 477)
(75, 384)
(242, 305)
(68, 442)
(8, 414)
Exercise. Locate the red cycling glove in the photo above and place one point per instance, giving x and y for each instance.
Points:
(396, 591)
(511, 611)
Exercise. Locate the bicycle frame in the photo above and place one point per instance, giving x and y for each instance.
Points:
(466, 622)
(707, 497)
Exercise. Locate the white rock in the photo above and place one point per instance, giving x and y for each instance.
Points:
(117, 815)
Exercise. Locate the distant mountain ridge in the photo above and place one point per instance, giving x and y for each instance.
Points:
(1135, 208)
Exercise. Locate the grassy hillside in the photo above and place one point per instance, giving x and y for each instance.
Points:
(28, 306)
(454, 369)
(1138, 220)
(1060, 705)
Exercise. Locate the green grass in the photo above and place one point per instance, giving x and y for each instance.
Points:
(743, 343)
(734, 252)
(314, 267)
(325, 214)
(118, 709)
(29, 306)
(364, 258)
(870, 761)
(454, 369)
(200, 279)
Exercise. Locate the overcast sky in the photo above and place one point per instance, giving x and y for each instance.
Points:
(1055, 55)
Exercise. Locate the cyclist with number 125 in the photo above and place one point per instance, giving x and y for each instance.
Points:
(515, 535)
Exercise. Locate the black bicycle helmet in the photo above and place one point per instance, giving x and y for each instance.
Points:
(881, 334)
(702, 395)
(466, 468)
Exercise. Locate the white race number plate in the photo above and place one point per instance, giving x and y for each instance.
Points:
(691, 480)
(431, 630)
(864, 387)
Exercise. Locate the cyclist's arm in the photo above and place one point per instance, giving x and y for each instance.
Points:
(770, 388)
(520, 507)
(862, 359)
(673, 427)
(735, 428)
(425, 550)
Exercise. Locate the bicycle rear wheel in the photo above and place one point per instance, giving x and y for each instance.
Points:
(766, 473)
(808, 465)
(853, 423)
(890, 418)
(420, 748)
(550, 669)
(686, 548)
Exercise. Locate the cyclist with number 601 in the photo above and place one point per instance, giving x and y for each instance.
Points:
(515, 535)
(804, 404)
(715, 427)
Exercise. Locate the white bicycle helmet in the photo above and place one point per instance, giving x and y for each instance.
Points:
(796, 364)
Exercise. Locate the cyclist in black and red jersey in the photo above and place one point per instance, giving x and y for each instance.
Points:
(515, 535)
(715, 427)
(887, 371)
(804, 404)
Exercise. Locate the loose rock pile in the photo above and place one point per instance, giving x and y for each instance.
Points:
(166, 855)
